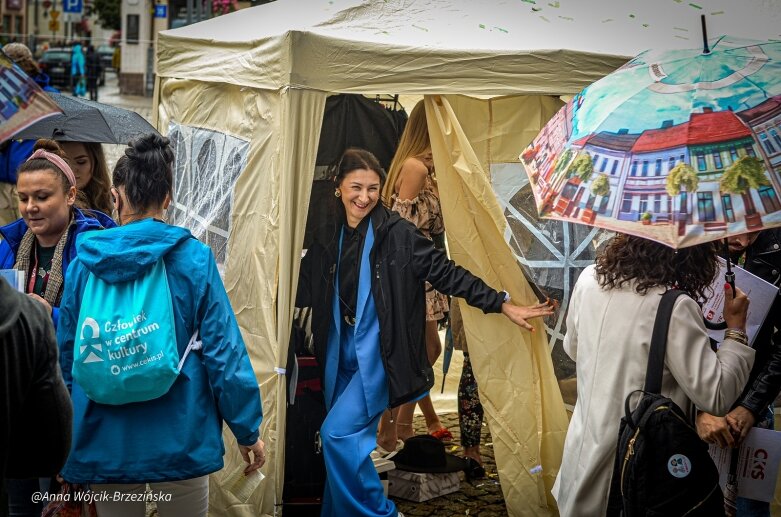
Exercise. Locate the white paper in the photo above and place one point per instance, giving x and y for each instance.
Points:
(760, 455)
(761, 294)
(243, 486)
(14, 277)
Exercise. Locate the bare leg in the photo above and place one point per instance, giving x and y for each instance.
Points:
(434, 349)
(474, 453)
(386, 433)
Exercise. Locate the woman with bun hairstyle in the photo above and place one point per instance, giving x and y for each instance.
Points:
(364, 277)
(42, 244)
(173, 441)
(92, 176)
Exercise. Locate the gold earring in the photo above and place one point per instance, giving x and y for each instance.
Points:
(338, 193)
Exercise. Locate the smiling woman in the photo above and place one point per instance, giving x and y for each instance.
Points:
(364, 277)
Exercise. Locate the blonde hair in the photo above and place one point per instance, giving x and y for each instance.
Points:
(414, 142)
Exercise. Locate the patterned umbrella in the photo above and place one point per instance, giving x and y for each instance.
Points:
(681, 147)
(22, 102)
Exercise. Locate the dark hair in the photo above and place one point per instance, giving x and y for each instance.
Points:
(353, 159)
(145, 171)
(42, 164)
(627, 258)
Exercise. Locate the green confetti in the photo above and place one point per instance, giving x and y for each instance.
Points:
(681, 37)
(536, 9)
(568, 18)
(678, 1)
(681, 29)
(716, 13)
(501, 29)
(555, 5)
(645, 25)
(632, 16)
(482, 26)
(529, 1)
(544, 19)
(695, 5)
(421, 28)
(607, 20)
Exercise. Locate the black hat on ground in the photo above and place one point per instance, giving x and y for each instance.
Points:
(424, 453)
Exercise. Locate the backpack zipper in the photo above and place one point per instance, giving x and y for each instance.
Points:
(629, 453)
(700, 503)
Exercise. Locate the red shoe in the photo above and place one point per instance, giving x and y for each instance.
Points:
(443, 435)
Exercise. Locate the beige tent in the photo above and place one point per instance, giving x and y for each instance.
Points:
(243, 94)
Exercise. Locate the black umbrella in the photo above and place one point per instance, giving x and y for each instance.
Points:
(88, 121)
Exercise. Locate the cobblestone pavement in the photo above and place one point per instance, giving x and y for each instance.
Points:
(481, 497)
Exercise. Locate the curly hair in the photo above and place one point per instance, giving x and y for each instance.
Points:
(648, 264)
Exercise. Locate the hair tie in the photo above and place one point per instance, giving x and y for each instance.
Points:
(56, 160)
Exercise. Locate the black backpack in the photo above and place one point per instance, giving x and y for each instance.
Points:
(662, 467)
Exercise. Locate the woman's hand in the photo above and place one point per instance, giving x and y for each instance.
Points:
(44, 302)
(714, 429)
(740, 420)
(259, 455)
(519, 315)
(735, 308)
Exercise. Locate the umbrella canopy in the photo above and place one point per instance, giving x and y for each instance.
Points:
(681, 147)
(88, 121)
(22, 102)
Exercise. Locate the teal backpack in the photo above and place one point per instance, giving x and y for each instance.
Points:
(125, 348)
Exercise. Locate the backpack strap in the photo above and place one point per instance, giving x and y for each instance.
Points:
(194, 344)
(653, 374)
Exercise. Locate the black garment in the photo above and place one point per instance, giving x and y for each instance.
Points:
(42, 263)
(402, 259)
(349, 269)
(763, 258)
(36, 412)
(94, 69)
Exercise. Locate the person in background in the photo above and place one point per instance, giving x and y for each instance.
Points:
(411, 191)
(364, 277)
(174, 441)
(116, 59)
(78, 71)
(470, 410)
(34, 406)
(609, 326)
(94, 70)
(43, 244)
(759, 253)
(14, 152)
(92, 177)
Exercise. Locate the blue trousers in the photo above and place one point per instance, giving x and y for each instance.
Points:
(349, 435)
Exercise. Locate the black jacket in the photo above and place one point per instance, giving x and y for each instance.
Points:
(402, 260)
(763, 258)
(35, 407)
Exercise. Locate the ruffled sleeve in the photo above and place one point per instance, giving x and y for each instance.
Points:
(412, 210)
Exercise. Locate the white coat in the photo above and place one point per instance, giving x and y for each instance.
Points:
(609, 337)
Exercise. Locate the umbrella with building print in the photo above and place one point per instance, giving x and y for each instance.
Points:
(681, 147)
(22, 102)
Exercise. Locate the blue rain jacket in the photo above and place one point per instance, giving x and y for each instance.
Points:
(13, 233)
(179, 435)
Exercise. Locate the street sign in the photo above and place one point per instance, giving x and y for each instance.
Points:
(72, 6)
(54, 25)
(54, 14)
(161, 11)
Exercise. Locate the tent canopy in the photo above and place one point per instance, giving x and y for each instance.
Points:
(444, 46)
(243, 95)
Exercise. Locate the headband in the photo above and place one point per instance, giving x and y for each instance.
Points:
(56, 160)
